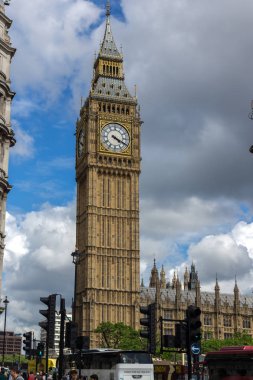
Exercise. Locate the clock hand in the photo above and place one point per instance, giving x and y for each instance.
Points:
(119, 141)
(116, 138)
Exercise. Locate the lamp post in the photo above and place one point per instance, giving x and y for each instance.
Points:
(75, 260)
(5, 314)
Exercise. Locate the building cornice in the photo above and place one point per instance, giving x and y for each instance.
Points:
(6, 88)
(7, 48)
(5, 19)
(7, 132)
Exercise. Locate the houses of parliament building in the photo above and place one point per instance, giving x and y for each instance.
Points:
(222, 315)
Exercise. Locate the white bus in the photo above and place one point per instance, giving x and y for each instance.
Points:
(107, 364)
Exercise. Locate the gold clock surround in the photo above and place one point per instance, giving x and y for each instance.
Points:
(102, 149)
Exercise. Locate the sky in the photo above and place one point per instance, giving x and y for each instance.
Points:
(192, 65)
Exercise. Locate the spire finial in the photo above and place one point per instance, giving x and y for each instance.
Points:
(108, 8)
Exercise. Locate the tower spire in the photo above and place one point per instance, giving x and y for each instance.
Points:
(108, 8)
(108, 47)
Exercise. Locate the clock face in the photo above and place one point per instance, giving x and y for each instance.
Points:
(115, 137)
(80, 144)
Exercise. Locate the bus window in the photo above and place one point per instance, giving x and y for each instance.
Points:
(135, 358)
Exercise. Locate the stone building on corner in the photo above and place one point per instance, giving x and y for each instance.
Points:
(7, 139)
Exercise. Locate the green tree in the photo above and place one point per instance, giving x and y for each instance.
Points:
(239, 339)
(118, 335)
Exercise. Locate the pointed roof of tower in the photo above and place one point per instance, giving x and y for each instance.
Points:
(236, 289)
(193, 269)
(154, 276)
(186, 274)
(216, 288)
(163, 278)
(108, 47)
(162, 272)
(108, 79)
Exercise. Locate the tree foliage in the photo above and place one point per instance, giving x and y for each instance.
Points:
(118, 335)
(239, 339)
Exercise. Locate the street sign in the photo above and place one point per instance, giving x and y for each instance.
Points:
(195, 349)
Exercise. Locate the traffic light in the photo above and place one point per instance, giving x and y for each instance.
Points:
(178, 340)
(83, 342)
(27, 344)
(71, 334)
(150, 323)
(49, 323)
(180, 335)
(40, 350)
(194, 324)
(168, 341)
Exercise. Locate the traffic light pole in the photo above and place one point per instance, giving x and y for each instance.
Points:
(49, 323)
(63, 315)
(150, 323)
(161, 330)
(47, 346)
(188, 351)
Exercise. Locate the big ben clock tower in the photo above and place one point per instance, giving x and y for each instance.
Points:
(107, 174)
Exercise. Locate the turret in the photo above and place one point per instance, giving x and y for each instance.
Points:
(174, 281)
(178, 294)
(162, 278)
(236, 298)
(217, 296)
(154, 276)
(193, 278)
(186, 279)
(198, 295)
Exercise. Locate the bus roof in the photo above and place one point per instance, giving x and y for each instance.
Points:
(110, 350)
(237, 348)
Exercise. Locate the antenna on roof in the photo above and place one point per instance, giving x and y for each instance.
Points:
(108, 8)
(251, 113)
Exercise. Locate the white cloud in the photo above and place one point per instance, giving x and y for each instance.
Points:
(24, 147)
(220, 255)
(187, 218)
(227, 256)
(37, 261)
(52, 42)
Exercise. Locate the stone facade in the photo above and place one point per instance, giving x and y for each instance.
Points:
(6, 133)
(222, 314)
(107, 175)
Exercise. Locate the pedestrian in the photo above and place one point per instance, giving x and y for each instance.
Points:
(2, 374)
(73, 374)
(39, 376)
(31, 376)
(15, 374)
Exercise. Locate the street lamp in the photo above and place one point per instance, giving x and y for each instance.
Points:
(5, 314)
(76, 255)
(251, 117)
